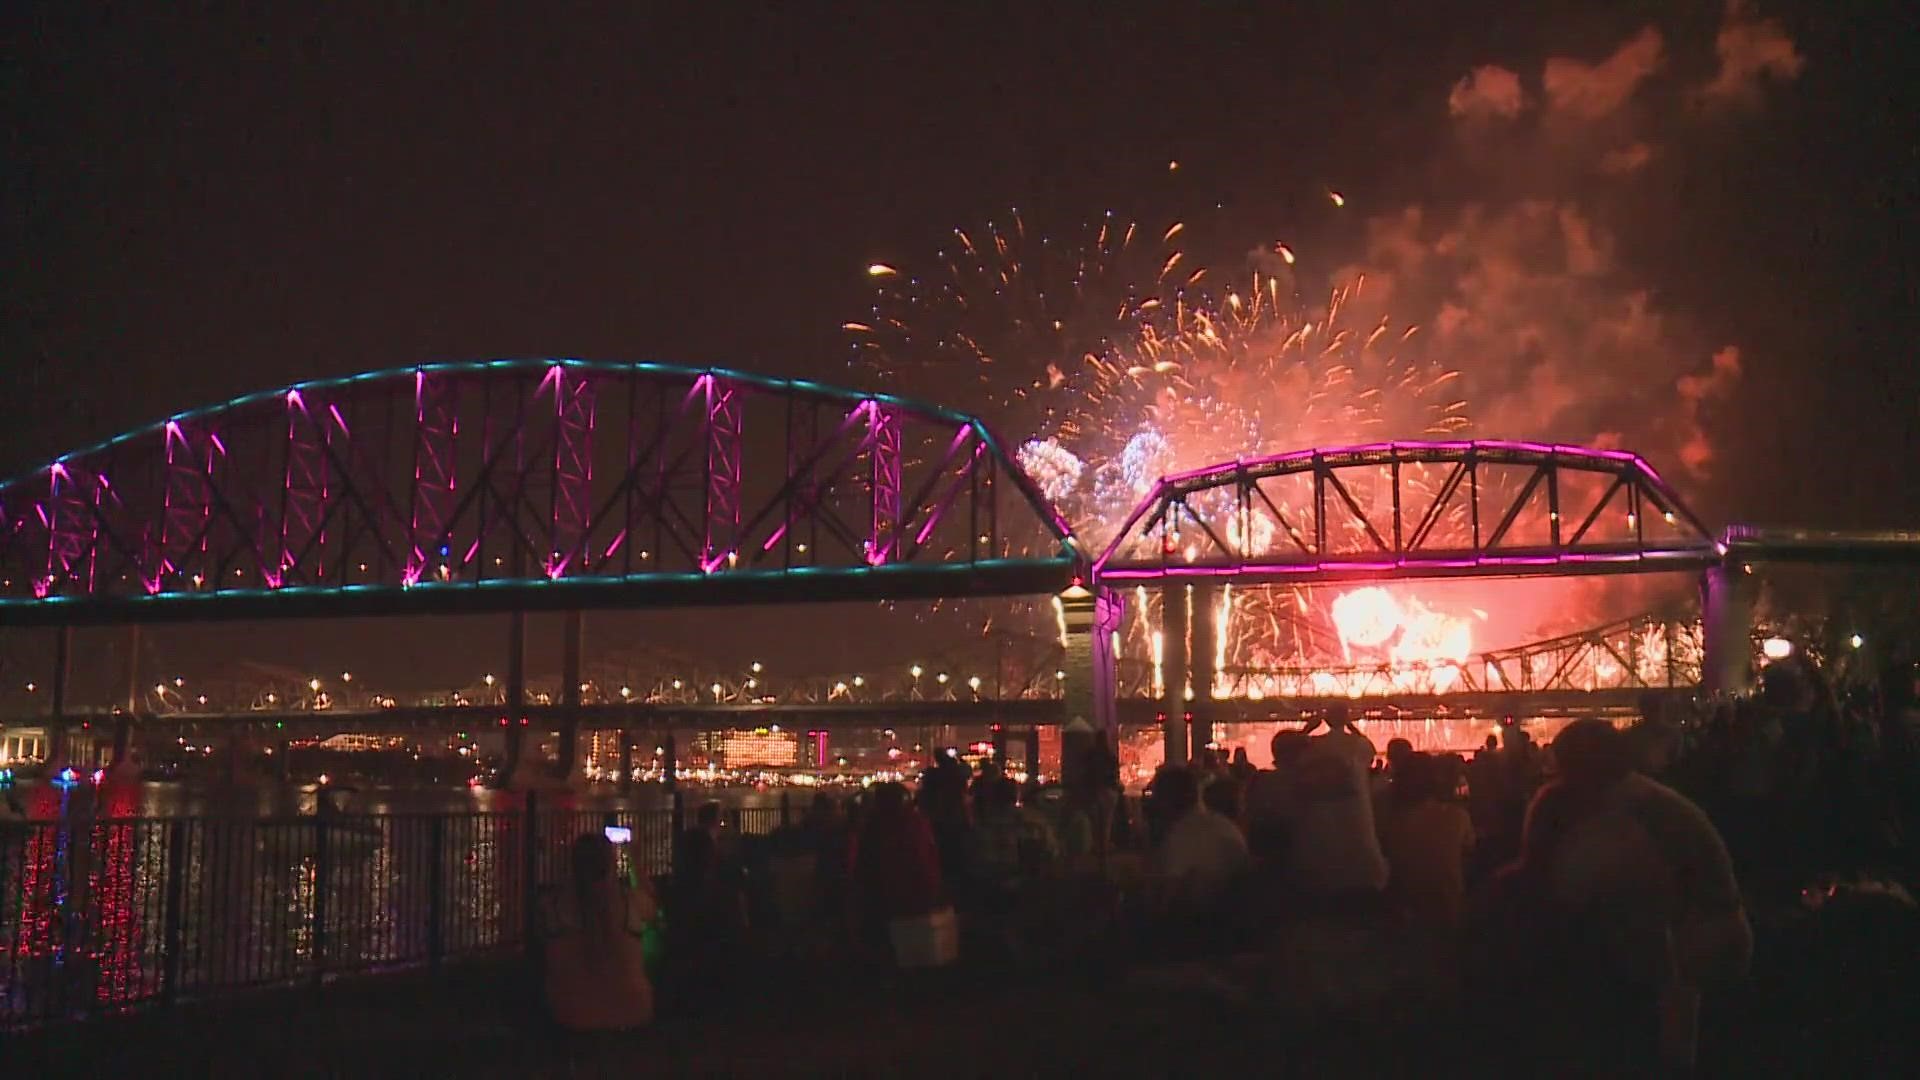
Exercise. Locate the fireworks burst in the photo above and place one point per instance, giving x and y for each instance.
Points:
(1118, 358)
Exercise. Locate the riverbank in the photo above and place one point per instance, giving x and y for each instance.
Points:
(1828, 996)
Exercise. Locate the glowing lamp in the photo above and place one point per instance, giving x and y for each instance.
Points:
(1856, 641)
(1775, 648)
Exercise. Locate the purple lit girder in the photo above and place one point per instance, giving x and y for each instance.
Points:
(1384, 540)
(304, 497)
(572, 469)
(883, 453)
(436, 405)
(724, 417)
(187, 511)
(69, 517)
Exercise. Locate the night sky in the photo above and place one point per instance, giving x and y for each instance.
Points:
(199, 207)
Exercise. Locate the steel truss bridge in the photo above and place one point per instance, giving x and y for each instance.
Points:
(1411, 510)
(558, 484)
(525, 485)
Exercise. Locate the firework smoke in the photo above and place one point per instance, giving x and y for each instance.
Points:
(1113, 354)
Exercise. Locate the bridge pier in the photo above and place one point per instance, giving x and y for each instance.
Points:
(1091, 618)
(122, 759)
(57, 750)
(1727, 595)
(1205, 598)
(569, 747)
(625, 758)
(516, 705)
(1173, 668)
(122, 741)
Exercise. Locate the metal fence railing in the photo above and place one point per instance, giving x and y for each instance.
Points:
(105, 914)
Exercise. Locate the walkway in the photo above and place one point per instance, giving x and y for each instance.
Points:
(1829, 1004)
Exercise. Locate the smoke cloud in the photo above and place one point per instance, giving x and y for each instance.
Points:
(1524, 292)
(1489, 93)
(1751, 50)
(1591, 91)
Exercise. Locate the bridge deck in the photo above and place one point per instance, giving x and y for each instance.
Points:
(1020, 712)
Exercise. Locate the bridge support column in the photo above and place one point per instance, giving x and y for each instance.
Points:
(122, 760)
(669, 762)
(516, 706)
(56, 756)
(625, 759)
(1092, 618)
(1173, 669)
(1727, 595)
(122, 741)
(1205, 600)
(569, 748)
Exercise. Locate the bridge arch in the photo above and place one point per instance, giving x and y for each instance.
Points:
(525, 484)
(1411, 510)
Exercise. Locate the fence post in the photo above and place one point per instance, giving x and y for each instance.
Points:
(179, 841)
(786, 810)
(436, 889)
(530, 873)
(322, 878)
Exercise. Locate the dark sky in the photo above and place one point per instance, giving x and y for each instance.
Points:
(197, 207)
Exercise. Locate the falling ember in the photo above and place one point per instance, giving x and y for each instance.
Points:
(879, 270)
(1338, 199)
(1285, 253)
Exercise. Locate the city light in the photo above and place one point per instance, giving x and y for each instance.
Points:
(974, 682)
(488, 679)
(1776, 648)
(756, 667)
(859, 681)
(1856, 641)
(346, 676)
(941, 678)
(313, 685)
(917, 671)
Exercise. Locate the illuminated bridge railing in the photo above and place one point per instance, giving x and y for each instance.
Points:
(1410, 510)
(525, 484)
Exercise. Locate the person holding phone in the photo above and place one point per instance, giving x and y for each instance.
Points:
(596, 973)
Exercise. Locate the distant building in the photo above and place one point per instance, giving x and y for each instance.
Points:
(760, 746)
